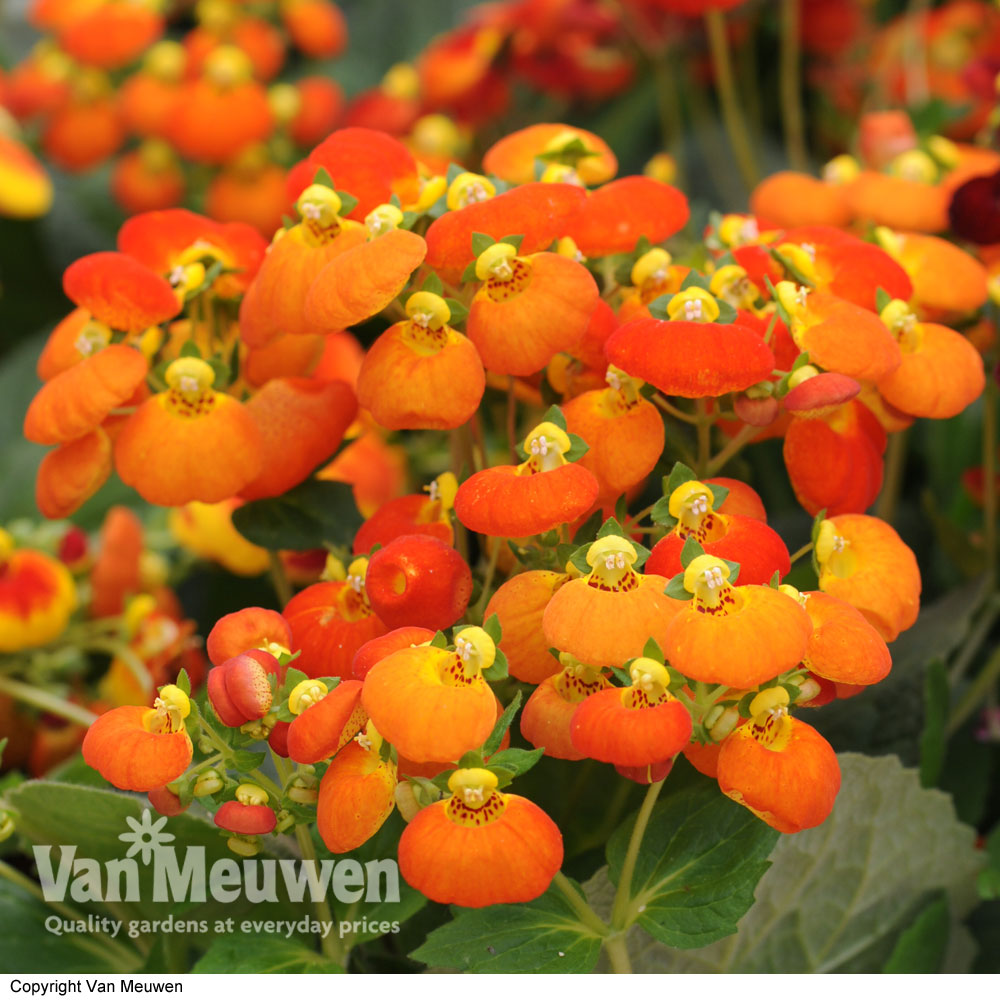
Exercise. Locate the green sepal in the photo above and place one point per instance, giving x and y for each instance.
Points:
(481, 242)
(492, 628)
(676, 589)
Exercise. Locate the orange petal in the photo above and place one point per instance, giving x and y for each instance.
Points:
(512, 158)
(788, 198)
(72, 473)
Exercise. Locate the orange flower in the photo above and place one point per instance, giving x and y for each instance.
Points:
(320, 104)
(254, 194)
(139, 749)
(120, 291)
(356, 794)
(381, 646)
(112, 34)
(364, 279)
(519, 605)
(839, 335)
(538, 212)
(376, 470)
(614, 217)
(834, 459)
(301, 423)
(781, 769)
(941, 372)
(71, 340)
(416, 514)
(433, 703)
(607, 616)
(545, 720)
(261, 42)
(513, 157)
(190, 442)
(738, 636)
(147, 179)
(330, 622)
(72, 474)
(634, 726)
(481, 846)
(838, 627)
(37, 596)
(77, 400)
(317, 27)
(207, 530)
(793, 199)
(757, 548)
(220, 114)
(84, 132)
(249, 628)
(324, 722)
(117, 572)
(514, 501)
(898, 202)
(528, 309)
(436, 373)
(864, 562)
(691, 355)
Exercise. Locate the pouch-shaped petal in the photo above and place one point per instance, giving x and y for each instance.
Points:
(72, 473)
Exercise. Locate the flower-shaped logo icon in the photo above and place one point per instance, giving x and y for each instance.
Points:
(146, 837)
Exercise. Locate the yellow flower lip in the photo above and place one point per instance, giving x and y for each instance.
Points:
(190, 375)
(383, 219)
(546, 443)
(251, 795)
(649, 675)
(428, 310)
(473, 785)
(304, 694)
(467, 189)
(653, 265)
(319, 205)
(475, 649)
(692, 499)
(693, 305)
(706, 577)
(495, 262)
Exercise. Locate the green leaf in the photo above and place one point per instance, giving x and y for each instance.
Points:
(247, 760)
(498, 670)
(719, 494)
(695, 280)
(492, 628)
(440, 640)
(183, 682)
(554, 415)
(658, 307)
(6, 740)
(587, 532)
(515, 241)
(660, 514)
(502, 725)
(882, 298)
(189, 349)
(516, 760)
(542, 936)
(611, 527)
(458, 312)
(727, 314)
(933, 743)
(257, 953)
(306, 517)
(293, 677)
(692, 549)
(700, 859)
(481, 242)
(577, 448)
(797, 275)
(679, 475)
(433, 284)
(921, 947)
(469, 274)
(347, 203)
(322, 176)
(652, 651)
(838, 897)
(676, 589)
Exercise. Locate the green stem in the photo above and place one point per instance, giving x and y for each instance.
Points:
(704, 429)
(892, 481)
(331, 945)
(623, 896)
(976, 692)
(990, 471)
(976, 637)
(579, 905)
(734, 447)
(279, 578)
(799, 553)
(791, 85)
(618, 955)
(732, 115)
(491, 569)
(46, 701)
(674, 411)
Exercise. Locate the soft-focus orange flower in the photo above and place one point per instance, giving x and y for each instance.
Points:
(147, 179)
(321, 103)
(317, 27)
(481, 846)
(254, 195)
(259, 40)
(947, 281)
(112, 34)
(249, 628)
(793, 199)
(37, 596)
(83, 133)
(512, 158)
(898, 202)
(117, 571)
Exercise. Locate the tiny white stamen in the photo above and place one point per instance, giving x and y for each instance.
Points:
(615, 560)
(311, 211)
(176, 276)
(801, 293)
(692, 309)
(364, 741)
(464, 649)
(356, 582)
(749, 230)
(699, 505)
(502, 269)
(473, 193)
(434, 491)
(473, 794)
(188, 383)
(421, 319)
(713, 578)
(540, 446)
(809, 249)
(613, 381)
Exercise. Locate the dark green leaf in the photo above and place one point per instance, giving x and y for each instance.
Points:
(492, 628)
(542, 936)
(882, 298)
(481, 242)
(699, 863)
(322, 176)
(652, 651)
(719, 494)
(347, 203)
(516, 760)
(469, 274)
(440, 640)
(256, 954)
(660, 514)
(691, 551)
(676, 589)
(515, 241)
(658, 307)
(458, 312)
(921, 947)
(433, 284)
(933, 745)
(498, 669)
(502, 725)
(247, 760)
(306, 517)
(189, 349)
(695, 280)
